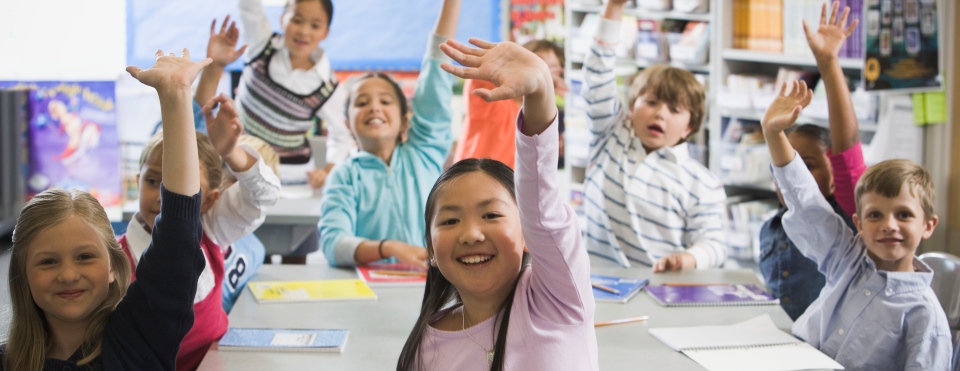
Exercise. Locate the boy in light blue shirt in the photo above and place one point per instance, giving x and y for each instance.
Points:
(877, 310)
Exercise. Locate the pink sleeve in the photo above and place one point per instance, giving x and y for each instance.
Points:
(560, 284)
(848, 166)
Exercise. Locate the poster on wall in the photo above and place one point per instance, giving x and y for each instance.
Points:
(73, 141)
(902, 45)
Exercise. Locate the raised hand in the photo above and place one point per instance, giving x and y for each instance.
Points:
(785, 109)
(222, 44)
(826, 41)
(514, 70)
(225, 128)
(170, 71)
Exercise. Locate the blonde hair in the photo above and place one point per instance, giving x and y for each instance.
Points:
(267, 154)
(209, 157)
(673, 86)
(28, 338)
(888, 178)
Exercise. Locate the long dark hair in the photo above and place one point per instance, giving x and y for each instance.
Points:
(439, 292)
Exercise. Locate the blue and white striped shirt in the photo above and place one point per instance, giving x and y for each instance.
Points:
(642, 206)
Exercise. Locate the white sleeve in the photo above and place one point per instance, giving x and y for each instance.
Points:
(256, 28)
(340, 142)
(243, 206)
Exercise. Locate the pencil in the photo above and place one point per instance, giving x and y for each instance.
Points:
(399, 273)
(605, 288)
(619, 321)
(691, 284)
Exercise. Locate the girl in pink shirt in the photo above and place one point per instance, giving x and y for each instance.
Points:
(507, 255)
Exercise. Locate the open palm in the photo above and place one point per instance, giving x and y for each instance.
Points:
(169, 71)
(225, 127)
(826, 41)
(222, 44)
(785, 109)
(514, 70)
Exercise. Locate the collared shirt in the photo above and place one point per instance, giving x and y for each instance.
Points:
(257, 33)
(365, 198)
(790, 276)
(643, 206)
(864, 318)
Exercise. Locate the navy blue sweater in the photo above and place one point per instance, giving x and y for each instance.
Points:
(145, 330)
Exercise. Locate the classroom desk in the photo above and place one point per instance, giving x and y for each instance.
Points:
(378, 329)
(286, 225)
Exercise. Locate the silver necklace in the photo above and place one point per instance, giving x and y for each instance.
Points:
(463, 325)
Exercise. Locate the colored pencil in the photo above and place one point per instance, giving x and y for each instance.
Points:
(605, 288)
(399, 273)
(619, 321)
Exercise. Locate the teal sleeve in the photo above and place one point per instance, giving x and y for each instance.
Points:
(338, 217)
(430, 126)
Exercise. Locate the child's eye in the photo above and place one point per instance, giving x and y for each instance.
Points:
(873, 214)
(651, 103)
(491, 216)
(85, 257)
(153, 182)
(359, 103)
(386, 102)
(449, 221)
(315, 26)
(48, 262)
(904, 215)
(674, 109)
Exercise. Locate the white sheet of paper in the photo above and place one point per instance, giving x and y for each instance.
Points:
(757, 331)
(286, 339)
(789, 357)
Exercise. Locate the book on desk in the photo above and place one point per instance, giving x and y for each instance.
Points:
(710, 295)
(392, 274)
(283, 340)
(307, 291)
(616, 289)
(753, 345)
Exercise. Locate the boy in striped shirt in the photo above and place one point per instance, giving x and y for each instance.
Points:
(647, 200)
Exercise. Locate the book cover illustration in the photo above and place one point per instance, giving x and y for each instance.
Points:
(624, 288)
(269, 339)
(73, 142)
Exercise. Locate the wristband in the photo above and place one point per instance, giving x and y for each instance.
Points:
(380, 249)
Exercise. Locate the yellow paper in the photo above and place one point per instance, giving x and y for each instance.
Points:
(304, 291)
(935, 107)
(919, 112)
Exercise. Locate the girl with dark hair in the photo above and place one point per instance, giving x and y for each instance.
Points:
(373, 202)
(508, 286)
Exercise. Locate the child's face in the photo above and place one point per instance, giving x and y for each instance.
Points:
(556, 69)
(68, 270)
(374, 111)
(476, 236)
(659, 124)
(815, 157)
(892, 228)
(304, 28)
(149, 179)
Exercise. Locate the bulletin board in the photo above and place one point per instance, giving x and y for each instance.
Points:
(365, 35)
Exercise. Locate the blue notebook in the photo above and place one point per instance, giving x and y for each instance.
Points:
(625, 288)
(284, 340)
(711, 295)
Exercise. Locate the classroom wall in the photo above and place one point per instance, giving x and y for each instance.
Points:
(62, 39)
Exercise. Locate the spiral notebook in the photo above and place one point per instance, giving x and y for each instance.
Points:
(622, 288)
(711, 295)
(284, 340)
(753, 345)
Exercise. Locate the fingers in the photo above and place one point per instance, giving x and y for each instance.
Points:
(134, 71)
(833, 13)
(208, 113)
(204, 62)
(482, 43)
(213, 25)
(806, 30)
(499, 93)
(226, 21)
(853, 25)
(463, 54)
(158, 54)
(185, 53)
(823, 14)
(240, 52)
(461, 72)
(783, 89)
(843, 17)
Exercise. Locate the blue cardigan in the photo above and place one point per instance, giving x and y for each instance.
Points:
(145, 330)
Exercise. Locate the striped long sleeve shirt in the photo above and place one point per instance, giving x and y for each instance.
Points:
(642, 206)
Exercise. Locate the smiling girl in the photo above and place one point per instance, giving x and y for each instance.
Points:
(486, 225)
(68, 273)
(372, 203)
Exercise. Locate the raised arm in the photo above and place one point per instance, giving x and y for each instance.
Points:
(256, 26)
(561, 273)
(220, 48)
(432, 113)
(846, 154)
(600, 81)
(825, 44)
(243, 206)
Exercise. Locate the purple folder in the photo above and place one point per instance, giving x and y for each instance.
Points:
(713, 295)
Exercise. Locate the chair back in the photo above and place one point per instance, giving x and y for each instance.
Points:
(946, 283)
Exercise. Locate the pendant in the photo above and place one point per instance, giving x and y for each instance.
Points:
(489, 357)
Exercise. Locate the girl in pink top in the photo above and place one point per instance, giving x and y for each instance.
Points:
(507, 256)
